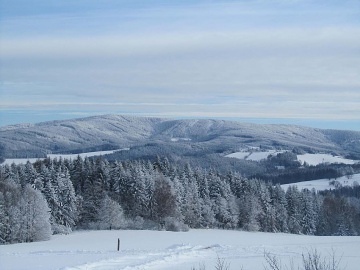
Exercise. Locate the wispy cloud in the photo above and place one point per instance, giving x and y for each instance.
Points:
(242, 59)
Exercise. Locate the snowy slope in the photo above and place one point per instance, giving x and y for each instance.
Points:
(170, 250)
(60, 136)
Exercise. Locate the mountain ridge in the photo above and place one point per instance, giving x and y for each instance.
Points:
(111, 131)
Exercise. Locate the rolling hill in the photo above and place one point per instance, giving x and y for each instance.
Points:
(107, 132)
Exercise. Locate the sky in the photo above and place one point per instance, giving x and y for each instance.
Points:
(262, 61)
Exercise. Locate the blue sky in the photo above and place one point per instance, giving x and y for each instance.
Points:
(291, 61)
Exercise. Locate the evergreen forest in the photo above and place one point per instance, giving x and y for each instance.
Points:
(57, 196)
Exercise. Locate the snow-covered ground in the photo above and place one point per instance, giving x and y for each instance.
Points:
(83, 155)
(323, 184)
(311, 159)
(172, 250)
(180, 139)
(65, 156)
(254, 156)
(316, 159)
(17, 161)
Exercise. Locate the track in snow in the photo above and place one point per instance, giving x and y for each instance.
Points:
(136, 260)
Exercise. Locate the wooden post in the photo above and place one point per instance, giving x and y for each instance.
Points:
(118, 247)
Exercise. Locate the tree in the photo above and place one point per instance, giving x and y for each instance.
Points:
(279, 203)
(49, 193)
(294, 210)
(66, 214)
(308, 213)
(249, 212)
(92, 197)
(4, 221)
(164, 199)
(26, 214)
(36, 215)
(110, 215)
(191, 208)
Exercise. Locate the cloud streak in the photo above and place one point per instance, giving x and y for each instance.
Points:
(251, 59)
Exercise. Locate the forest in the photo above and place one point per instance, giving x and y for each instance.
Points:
(55, 196)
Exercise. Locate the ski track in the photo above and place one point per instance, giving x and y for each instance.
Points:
(178, 255)
(136, 260)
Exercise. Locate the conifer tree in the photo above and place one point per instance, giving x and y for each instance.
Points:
(308, 222)
(279, 203)
(294, 210)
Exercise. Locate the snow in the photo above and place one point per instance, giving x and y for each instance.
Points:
(65, 156)
(323, 184)
(171, 250)
(316, 159)
(254, 156)
(180, 139)
(18, 161)
(311, 159)
(88, 154)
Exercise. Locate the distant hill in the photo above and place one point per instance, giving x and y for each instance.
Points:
(108, 132)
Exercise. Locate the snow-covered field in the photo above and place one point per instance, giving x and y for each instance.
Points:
(180, 139)
(323, 184)
(316, 159)
(65, 156)
(311, 159)
(172, 250)
(254, 156)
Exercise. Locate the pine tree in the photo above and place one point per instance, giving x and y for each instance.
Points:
(48, 190)
(78, 174)
(267, 212)
(191, 208)
(92, 197)
(308, 222)
(207, 214)
(294, 210)
(279, 203)
(67, 212)
(4, 221)
(30, 173)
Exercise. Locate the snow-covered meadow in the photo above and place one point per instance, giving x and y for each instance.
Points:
(316, 159)
(172, 250)
(323, 184)
(64, 156)
(310, 159)
(253, 155)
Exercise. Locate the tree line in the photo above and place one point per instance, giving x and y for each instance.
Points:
(58, 196)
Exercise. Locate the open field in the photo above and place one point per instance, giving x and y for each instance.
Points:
(171, 250)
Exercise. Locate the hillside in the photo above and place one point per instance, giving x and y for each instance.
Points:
(109, 132)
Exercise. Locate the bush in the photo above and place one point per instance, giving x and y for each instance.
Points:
(312, 260)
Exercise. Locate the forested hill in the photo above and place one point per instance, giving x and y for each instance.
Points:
(109, 132)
